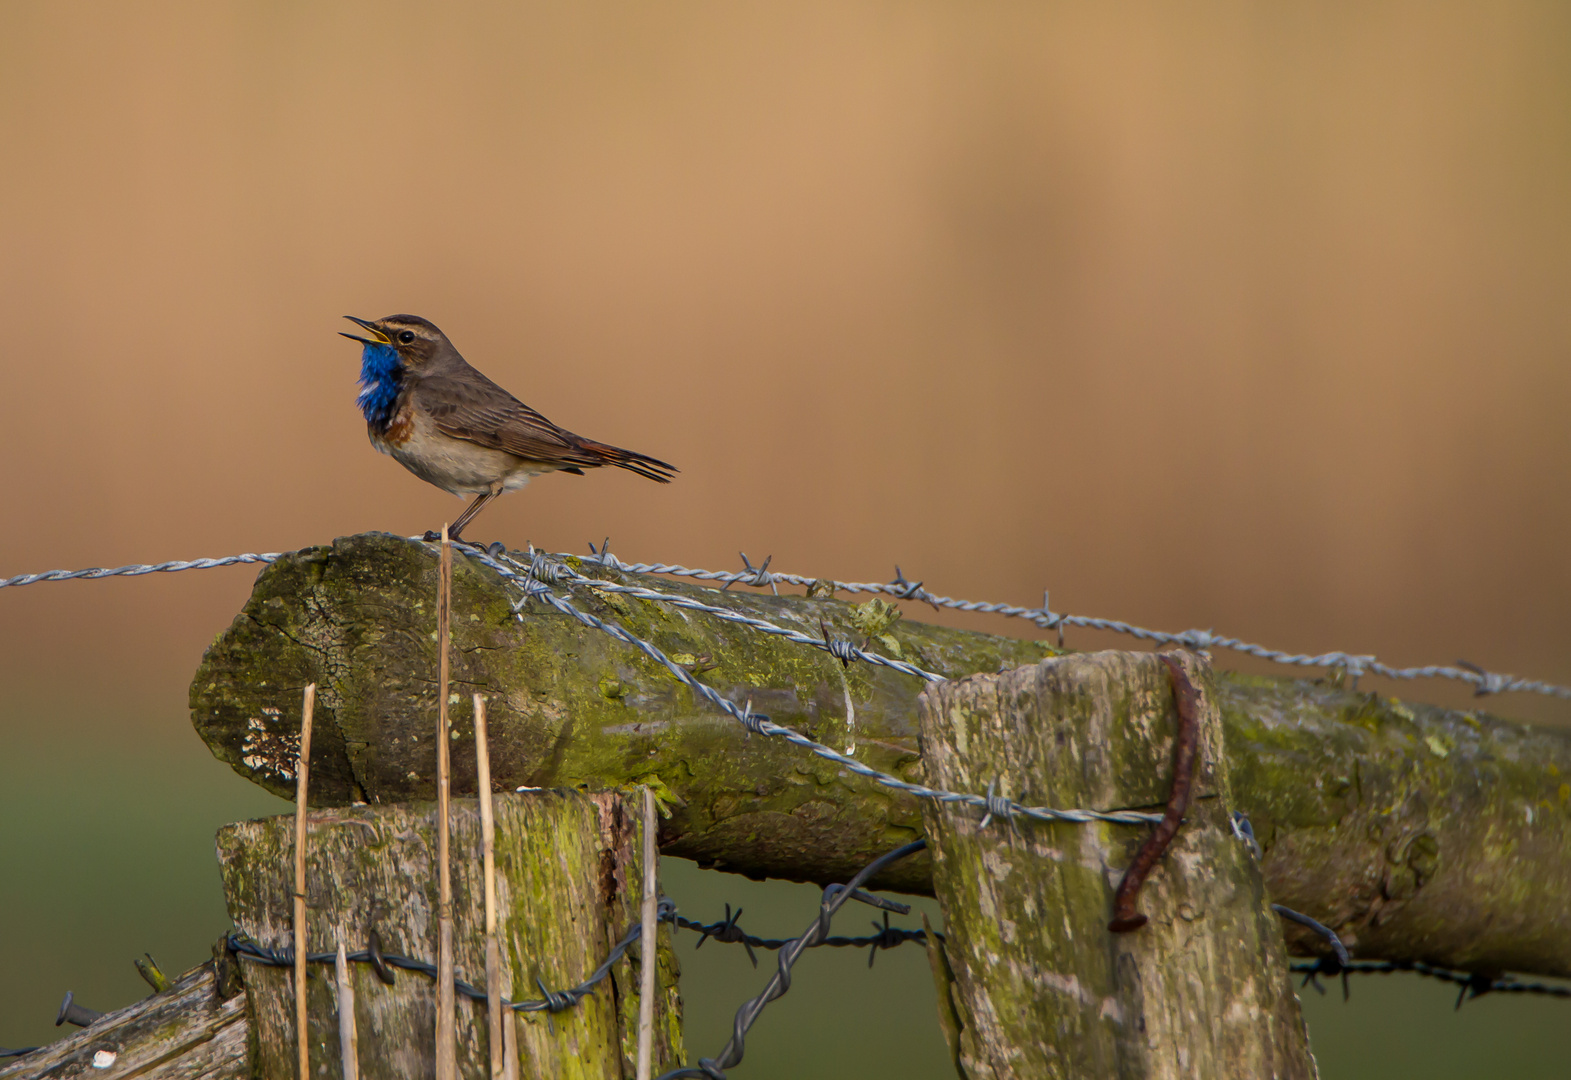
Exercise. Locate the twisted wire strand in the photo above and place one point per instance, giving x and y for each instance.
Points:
(93, 573)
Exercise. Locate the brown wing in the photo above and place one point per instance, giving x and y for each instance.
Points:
(479, 411)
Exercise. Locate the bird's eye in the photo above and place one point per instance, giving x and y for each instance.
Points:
(406, 336)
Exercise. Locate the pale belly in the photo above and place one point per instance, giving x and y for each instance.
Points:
(455, 465)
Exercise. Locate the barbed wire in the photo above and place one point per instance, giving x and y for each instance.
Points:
(1354, 665)
(533, 588)
(1473, 984)
(552, 571)
(779, 983)
(534, 581)
(554, 1001)
(724, 930)
(727, 931)
(884, 937)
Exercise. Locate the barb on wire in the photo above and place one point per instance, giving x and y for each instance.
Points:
(780, 981)
(888, 937)
(840, 648)
(902, 589)
(727, 931)
(755, 575)
(1489, 682)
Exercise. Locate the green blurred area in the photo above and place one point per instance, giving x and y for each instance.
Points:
(106, 852)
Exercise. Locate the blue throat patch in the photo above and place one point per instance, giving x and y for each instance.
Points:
(382, 374)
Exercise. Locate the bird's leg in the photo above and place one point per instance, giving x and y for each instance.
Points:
(474, 508)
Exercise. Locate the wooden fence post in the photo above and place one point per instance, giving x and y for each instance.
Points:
(1040, 987)
(569, 884)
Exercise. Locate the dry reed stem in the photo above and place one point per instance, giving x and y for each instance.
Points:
(302, 783)
(493, 948)
(647, 943)
(510, 1046)
(446, 1007)
(348, 1039)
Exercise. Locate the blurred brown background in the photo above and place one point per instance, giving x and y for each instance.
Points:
(1239, 316)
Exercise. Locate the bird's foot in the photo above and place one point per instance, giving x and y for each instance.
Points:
(495, 548)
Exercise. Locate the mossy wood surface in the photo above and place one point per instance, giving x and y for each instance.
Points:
(568, 883)
(1041, 987)
(188, 1032)
(1419, 833)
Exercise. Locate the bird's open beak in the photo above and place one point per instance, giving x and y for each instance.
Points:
(380, 339)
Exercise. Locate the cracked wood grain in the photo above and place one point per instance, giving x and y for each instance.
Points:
(187, 1032)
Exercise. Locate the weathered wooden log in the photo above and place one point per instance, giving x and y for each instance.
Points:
(191, 1031)
(568, 885)
(1418, 833)
(1041, 988)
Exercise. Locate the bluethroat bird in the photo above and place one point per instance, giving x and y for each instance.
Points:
(453, 427)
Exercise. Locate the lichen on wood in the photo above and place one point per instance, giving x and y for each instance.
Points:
(1041, 987)
(1417, 833)
(568, 883)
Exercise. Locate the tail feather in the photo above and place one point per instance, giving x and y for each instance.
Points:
(601, 454)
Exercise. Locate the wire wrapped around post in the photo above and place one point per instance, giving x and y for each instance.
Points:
(493, 948)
